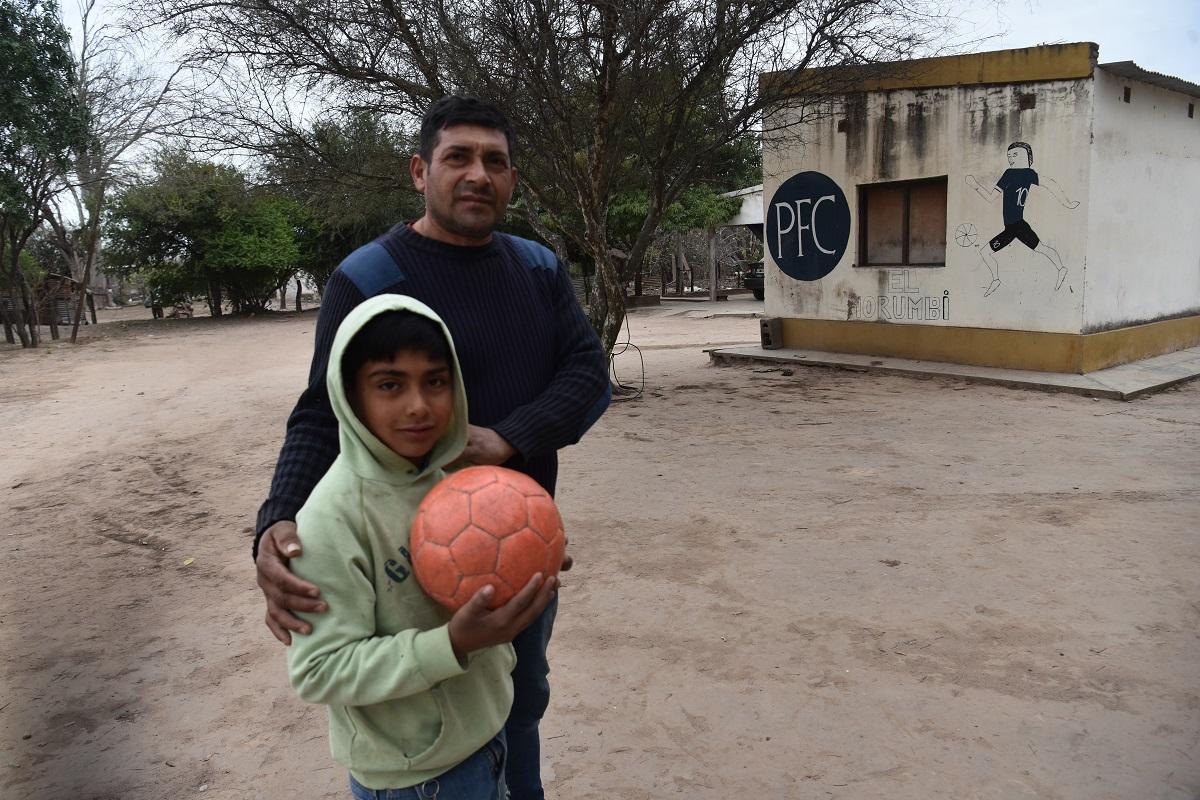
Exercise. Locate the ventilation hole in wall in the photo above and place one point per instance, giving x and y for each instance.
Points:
(1128, 94)
(842, 126)
(1026, 101)
(1191, 110)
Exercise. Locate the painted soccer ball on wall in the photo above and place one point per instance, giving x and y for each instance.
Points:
(966, 235)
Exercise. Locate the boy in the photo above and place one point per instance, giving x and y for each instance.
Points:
(417, 698)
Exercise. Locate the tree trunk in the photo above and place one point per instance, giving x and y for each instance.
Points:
(16, 291)
(556, 241)
(214, 299)
(298, 288)
(8, 326)
(53, 319)
(87, 278)
(31, 315)
(712, 264)
(608, 305)
(87, 273)
(680, 264)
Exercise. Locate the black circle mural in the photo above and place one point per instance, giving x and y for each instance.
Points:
(808, 226)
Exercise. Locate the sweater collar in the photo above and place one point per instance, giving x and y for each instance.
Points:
(403, 232)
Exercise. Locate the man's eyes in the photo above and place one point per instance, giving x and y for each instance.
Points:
(497, 161)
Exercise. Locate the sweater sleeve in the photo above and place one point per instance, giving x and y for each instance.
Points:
(579, 391)
(343, 662)
(311, 442)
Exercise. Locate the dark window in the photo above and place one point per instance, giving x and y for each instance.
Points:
(902, 223)
(1191, 110)
(1128, 94)
(1026, 101)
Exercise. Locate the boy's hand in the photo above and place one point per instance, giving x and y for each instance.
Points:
(473, 627)
(284, 591)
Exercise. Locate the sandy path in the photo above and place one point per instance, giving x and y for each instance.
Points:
(820, 585)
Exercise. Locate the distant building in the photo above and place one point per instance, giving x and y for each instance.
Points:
(1029, 209)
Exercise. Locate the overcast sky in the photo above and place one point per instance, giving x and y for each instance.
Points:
(1161, 35)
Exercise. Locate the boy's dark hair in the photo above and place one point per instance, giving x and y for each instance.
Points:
(456, 110)
(387, 334)
(1024, 146)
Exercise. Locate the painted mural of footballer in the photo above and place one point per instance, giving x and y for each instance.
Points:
(1014, 186)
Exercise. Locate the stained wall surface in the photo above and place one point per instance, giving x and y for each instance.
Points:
(1143, 260)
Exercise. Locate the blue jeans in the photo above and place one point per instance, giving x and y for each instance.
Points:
(480, 777)
(531, 696)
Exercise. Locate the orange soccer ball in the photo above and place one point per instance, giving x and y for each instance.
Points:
(485, 525)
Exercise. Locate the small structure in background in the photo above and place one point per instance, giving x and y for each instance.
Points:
(54, 301)
(750, 218)
(1027, 209)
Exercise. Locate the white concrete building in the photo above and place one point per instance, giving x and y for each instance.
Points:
(1030, 209)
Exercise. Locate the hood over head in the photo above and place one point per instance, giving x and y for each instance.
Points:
(361, 449)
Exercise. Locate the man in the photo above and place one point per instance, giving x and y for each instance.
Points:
(1014, 186)
(535, 373)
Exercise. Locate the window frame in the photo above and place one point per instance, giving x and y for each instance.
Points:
(907, 186)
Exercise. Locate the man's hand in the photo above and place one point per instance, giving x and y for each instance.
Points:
(284, 591)
(473, 627)
(485, 446)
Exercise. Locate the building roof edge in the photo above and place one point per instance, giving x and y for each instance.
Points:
(1071, 61)
(1130, 70)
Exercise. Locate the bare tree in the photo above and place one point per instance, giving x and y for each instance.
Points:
(126, 103)
(604, 93)
(38, 127)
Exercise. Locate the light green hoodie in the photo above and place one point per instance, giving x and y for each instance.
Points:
(402, 709)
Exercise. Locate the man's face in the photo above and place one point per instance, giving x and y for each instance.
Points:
(406, 402)
(1017, 157)
(467, 184)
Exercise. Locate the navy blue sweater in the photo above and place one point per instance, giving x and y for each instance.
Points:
(533, 369)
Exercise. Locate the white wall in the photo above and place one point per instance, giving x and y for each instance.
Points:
(1144, 224)
(952, 131)
(751, 212)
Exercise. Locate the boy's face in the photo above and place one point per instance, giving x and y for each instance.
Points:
(1017, 157)
(406, 402)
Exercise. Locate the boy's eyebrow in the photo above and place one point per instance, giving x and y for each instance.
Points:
(402, 373)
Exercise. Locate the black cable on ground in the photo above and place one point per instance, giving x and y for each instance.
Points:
(623, 391)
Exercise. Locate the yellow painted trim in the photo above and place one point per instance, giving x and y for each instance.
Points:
(991, 347)
(1123, 345)
(1045, 63)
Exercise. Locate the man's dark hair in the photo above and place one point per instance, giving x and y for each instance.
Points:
(1024, 146)
(455, 110)
(387, 334)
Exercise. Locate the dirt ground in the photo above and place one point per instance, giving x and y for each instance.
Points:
(822, 584)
